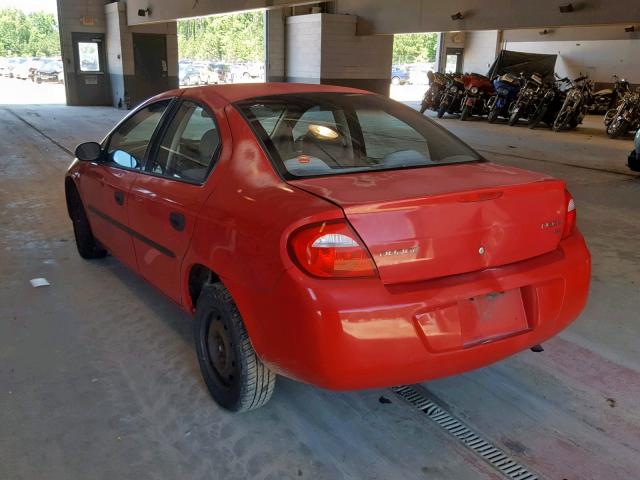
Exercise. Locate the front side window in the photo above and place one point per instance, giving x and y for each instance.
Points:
(332, 133)
(130, 140)
(188, 146)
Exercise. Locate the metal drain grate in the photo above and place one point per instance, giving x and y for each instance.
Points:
(489, 452)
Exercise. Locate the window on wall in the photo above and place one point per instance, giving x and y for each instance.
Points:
(88, 56)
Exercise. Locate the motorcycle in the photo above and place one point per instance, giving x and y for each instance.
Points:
(452, 97)
(433, 96)
(525, 104)
(609, 98)
(507, 87)
(624, 118)
(478, 89)
(575, 105)
(550, 101)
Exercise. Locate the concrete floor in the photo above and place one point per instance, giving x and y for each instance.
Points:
(99, 379)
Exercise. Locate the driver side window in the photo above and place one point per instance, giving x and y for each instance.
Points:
(130, 140)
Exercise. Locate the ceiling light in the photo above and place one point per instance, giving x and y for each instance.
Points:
(457, 16)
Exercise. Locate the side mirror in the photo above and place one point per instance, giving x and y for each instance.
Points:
(88, 152)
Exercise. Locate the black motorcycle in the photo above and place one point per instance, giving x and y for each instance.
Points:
(433, 96)
(550, 100)
(609, 98)
(575, 105)
(451, 101)
(525, 105)
(626, 117)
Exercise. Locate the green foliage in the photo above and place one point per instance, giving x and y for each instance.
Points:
(28, 35)
(224, 37)
(414, 47)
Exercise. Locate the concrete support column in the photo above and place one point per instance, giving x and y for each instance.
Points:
(275, 32)
(142, 59)
(324, 48)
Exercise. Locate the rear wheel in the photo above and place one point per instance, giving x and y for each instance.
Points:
(87, 246)
(236, 378)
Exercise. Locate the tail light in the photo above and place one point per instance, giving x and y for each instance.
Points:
(570, 218)
(331, 250)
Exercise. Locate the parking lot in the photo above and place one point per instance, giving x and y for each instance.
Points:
(100, 377)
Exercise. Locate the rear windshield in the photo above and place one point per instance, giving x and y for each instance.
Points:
(315, 134)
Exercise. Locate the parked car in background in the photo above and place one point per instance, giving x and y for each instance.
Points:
(12, 64)
(393, 253)
(399, 76)
(51, 71)
(216, 72)
(189, 75)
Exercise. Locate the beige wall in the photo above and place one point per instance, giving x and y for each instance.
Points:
(480, 50)
(386, 16)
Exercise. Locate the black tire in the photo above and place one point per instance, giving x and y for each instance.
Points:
(560, 121)
(514, 117)
(87, 246)
(617, 128)
(537, 117)
(493, 115)
(464, 115)
(441, 110)
(633, 161)
(236, 378)
(423, 107)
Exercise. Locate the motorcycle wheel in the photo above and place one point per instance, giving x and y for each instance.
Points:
(559, 122)
(464, 115)
(423, 107)
(617, 128)
(537, 117)
(441, 110)
(493, 115)
(514, 117)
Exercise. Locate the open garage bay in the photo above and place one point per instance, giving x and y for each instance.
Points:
(99, 377)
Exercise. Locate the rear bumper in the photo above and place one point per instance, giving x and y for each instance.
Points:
(354, 334)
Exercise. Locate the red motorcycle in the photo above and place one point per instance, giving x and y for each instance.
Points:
(478, 90)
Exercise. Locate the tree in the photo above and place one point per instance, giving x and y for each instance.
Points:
(237, 37)
(32, 34)
(414, 47)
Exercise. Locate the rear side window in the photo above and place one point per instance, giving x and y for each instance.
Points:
(130, 140)
(333, 133)
(188, 146)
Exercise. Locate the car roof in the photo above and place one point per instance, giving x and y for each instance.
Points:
(244, 91)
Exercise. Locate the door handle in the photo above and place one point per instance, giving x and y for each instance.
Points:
(119, 197)
(177, 221)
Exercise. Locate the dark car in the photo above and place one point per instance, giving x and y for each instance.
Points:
(50, 72)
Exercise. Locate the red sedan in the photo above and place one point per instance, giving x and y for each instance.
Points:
(329, 235)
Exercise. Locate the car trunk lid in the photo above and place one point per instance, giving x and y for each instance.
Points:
(434, 222)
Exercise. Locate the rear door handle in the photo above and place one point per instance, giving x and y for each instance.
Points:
(119, 197)
(177, 221)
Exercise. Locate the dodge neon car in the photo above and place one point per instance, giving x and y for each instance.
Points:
(329, 235)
